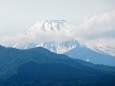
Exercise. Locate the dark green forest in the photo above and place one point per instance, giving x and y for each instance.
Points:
(40, 67)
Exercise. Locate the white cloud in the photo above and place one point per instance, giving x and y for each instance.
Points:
(98, 26)
(37, 36)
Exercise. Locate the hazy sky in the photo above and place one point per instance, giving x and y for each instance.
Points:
(18, 15)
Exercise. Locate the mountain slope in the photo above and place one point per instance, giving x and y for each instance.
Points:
(51, 45)
(19, 66)
(105, 49)
(89, 55)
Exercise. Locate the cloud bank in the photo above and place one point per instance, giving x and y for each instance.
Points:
(37, 34)
(98, 26)
(98, 30)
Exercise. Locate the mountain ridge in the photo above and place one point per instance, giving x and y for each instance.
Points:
(14, 62)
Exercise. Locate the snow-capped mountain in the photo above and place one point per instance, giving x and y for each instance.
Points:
(51, 25)
(55, 35)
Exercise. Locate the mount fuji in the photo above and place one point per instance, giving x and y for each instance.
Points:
(55, 35)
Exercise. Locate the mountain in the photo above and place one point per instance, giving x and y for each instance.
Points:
(55, 35)
(39, 66)
(92, 56)
(58, 36)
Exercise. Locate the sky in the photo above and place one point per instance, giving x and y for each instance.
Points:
(94, 20)
(18, 15)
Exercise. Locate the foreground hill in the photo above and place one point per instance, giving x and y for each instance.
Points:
(39, 66)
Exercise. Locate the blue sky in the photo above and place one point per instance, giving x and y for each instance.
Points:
(18, 15)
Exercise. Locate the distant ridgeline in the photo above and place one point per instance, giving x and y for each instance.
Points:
(92, 56)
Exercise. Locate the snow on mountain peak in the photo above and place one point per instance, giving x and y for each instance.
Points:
(47, 26)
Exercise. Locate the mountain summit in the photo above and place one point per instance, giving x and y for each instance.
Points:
(55, 35)
(51, 25)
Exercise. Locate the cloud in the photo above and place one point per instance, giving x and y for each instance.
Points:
(98, 26)
(37, 36)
